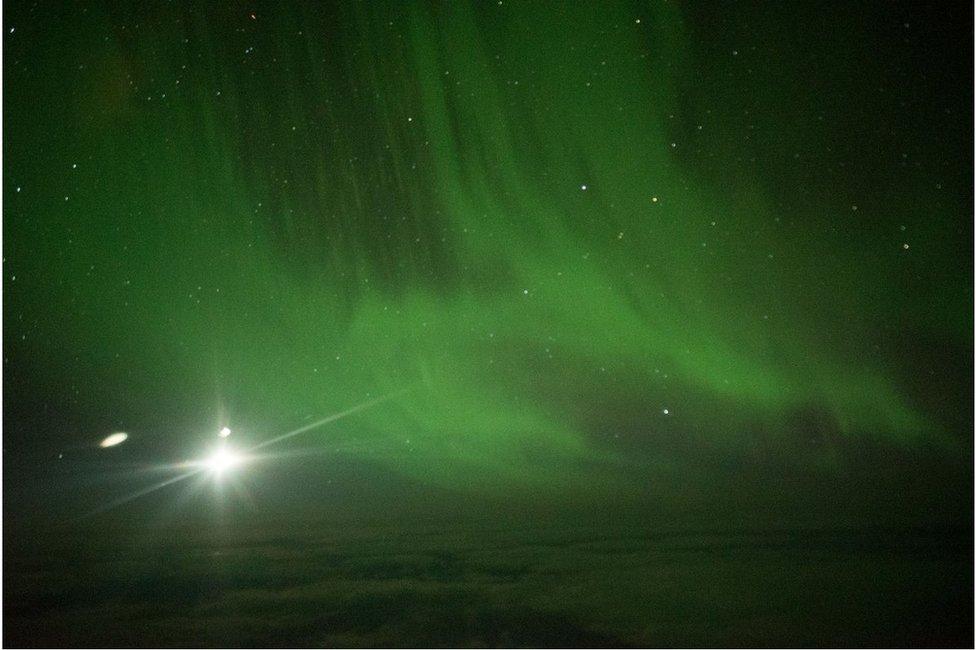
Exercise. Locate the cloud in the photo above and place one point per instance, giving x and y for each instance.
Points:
(537, 587)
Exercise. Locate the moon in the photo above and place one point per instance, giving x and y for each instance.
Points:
(222, 459)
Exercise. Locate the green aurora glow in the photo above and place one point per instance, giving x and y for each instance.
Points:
(545, 221)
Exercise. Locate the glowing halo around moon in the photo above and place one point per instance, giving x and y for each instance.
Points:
(222, 459)
(113, 440)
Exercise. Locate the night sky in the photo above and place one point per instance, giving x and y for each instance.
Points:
(685, 285)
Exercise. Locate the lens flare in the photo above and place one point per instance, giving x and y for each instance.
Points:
(114, 439)
(223, 457)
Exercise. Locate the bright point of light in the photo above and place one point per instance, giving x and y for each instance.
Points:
(114, 439)
(221, 460)
(224, 432)
(666, 411)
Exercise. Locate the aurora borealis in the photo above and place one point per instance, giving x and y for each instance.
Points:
(682, 265)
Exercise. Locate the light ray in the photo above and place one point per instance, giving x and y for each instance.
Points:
(327, 420)
(224, 459)
(141, 493)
